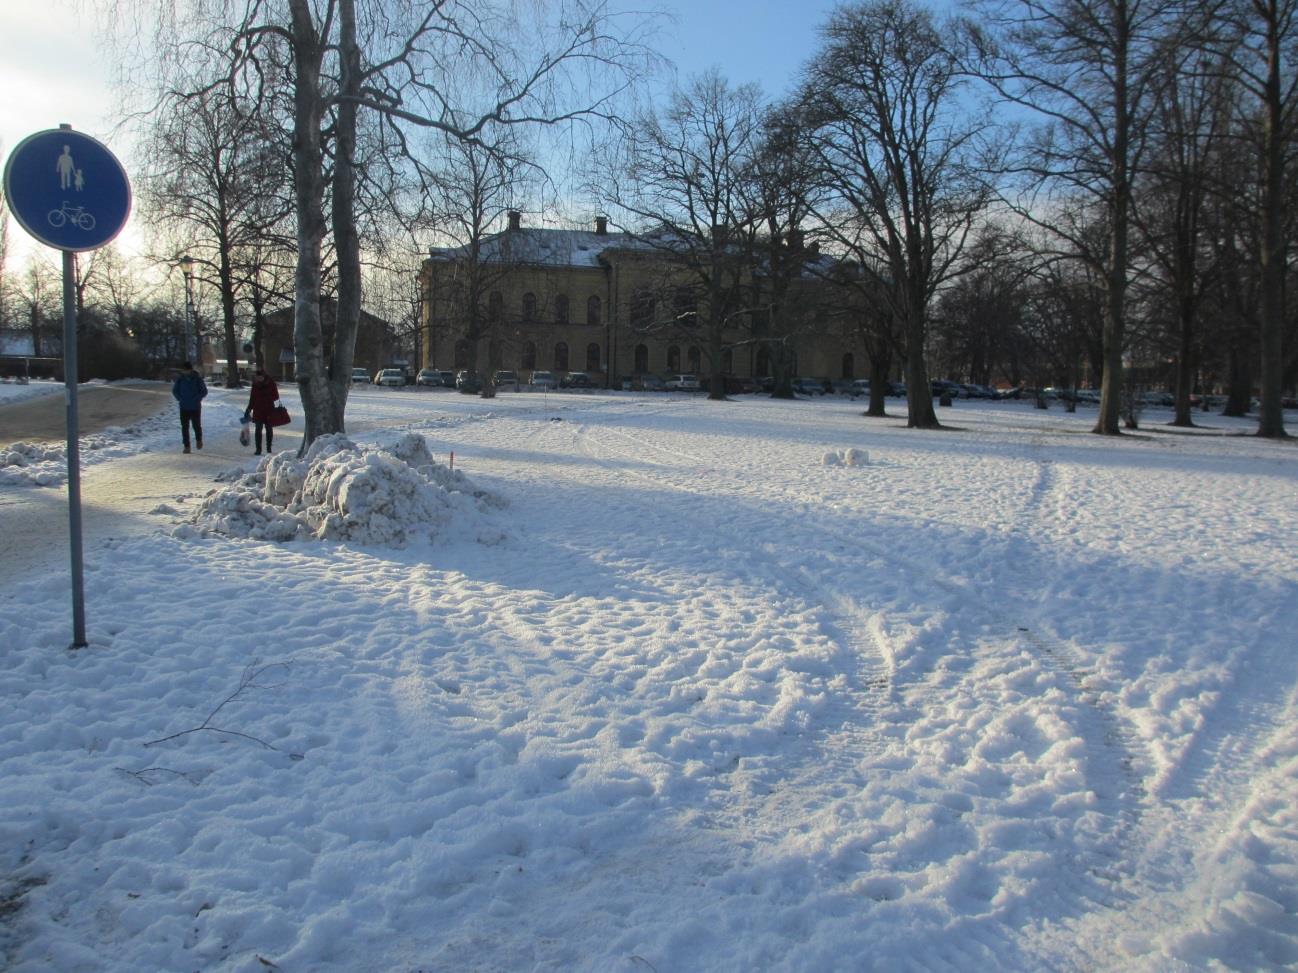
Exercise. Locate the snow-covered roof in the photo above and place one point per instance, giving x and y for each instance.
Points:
(539, 246)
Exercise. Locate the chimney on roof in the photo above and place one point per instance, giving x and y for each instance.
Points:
(515, 219)
(601, 226)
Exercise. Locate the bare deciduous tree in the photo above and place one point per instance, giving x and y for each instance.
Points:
(684, 185)
(898, 151)
(1085, 69)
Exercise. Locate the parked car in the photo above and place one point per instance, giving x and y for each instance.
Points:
(841, 386)
(360, 376)
(647, 383)
(808, 386)
(467, 382)
(897, 389)
(576, 380)
(429, 377)
(542, 382)
(733, 384)
(391, 378)
(860, 387)
(505, 381)
(941, 387)
(683, 383)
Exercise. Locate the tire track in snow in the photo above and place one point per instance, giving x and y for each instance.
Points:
(847, 734)
(1174, 829)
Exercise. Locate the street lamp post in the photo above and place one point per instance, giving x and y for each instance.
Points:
(191, 341)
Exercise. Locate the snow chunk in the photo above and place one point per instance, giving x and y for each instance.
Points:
(385, 496)
(32, 464)
(847, 457)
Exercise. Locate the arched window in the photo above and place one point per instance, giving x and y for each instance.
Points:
(561, 309)
(592, 358)
(494, 358)
(529, 307)
(763, 366)
(642, 359)
(461, 354)
(561, 356)
(728, 360)
(673, 359)
(495, 307)
(592, 310)
(528, 362)
(849, 366)
(696, 359)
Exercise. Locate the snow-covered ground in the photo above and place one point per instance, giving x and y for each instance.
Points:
(11, 392)
(665, 685)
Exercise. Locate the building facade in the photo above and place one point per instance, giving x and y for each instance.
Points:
(617, 307)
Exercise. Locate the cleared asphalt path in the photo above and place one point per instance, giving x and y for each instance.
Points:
(116, 496)
(43, 418)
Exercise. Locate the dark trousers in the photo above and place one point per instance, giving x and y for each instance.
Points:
(191, 417)
(270, 434)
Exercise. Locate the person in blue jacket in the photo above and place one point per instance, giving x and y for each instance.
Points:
(190, 390)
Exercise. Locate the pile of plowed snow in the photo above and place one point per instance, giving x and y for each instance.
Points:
(376, 495)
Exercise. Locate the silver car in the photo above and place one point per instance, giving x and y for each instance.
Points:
(543, 382)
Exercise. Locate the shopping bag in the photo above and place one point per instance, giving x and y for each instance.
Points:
(279, 416)
(245, 432)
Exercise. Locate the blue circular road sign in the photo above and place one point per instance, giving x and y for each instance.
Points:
(67, 190)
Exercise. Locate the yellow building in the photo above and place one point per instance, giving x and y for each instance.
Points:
(615, 307)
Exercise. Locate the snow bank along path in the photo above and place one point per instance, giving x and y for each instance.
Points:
(696, 697)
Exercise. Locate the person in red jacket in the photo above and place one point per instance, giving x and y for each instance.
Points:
(261, 400)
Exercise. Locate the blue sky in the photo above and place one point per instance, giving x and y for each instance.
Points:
(764, 41)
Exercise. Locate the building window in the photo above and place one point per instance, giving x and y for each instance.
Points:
(642, 311)
(495, 305)
(686, 307)
(728, 361)
(528, 361)
(561, 309)
(561, 356)
(673, 359)
(696, 359)
(461, 354)
(592, 310)
(592, 357)
(849, 366)
(529, 308)
(763, 367)
(642, 359)
(495, 359)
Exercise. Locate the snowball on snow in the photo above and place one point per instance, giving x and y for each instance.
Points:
(847, 457)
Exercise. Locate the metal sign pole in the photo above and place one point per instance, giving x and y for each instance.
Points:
(74, 450)
(70, 193)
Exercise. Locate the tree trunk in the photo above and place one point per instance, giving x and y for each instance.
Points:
(919, 400)
(1271, 407)
(1185, 362)
(1115, 290)
(347, 245)
(226, 280)
(308, 190)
